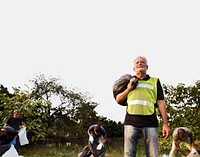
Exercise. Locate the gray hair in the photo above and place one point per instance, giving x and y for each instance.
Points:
(144, 58)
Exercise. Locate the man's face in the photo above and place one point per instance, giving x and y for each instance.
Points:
(140, 65)
(16, 114)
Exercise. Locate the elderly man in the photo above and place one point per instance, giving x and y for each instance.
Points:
(143, 95)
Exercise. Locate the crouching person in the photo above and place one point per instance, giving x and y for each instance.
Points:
(8, 137)
(97, 140)
(183, 134)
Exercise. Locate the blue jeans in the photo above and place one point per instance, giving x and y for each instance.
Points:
(150, 136)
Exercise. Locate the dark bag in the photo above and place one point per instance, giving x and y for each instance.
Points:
(86, 152)
(4, 148)
(120, 85)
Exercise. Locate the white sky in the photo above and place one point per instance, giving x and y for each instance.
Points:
(89, 44)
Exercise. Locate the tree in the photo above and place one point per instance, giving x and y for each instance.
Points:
(76, 107)
(113, 128)
(72, 112)
(183, 107)
(33, 112)
(45, 90)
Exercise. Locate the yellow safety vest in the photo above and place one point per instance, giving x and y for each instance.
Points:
(141, 100)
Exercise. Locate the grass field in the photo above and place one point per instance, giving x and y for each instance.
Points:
(63, 151)
(114, 150)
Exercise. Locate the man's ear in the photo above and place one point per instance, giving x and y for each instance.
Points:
(147, 67)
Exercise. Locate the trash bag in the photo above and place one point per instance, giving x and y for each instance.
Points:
(23, 136)
(90, 151)
(86, 152)
(120, 85)
(12, 152)
(94, 151)
(4, 148)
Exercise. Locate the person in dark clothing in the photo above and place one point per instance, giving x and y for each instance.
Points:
(15, 121)
(97, 139)
(8, 137)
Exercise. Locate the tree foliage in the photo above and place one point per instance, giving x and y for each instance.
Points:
(33, 111)
(51, 109)
(70, 115)
(72, 110)
(183, 107)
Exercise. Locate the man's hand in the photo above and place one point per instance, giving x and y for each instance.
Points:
(133, 83)
(13, 143)
(100, 145)
(91, 139)
(166, 131)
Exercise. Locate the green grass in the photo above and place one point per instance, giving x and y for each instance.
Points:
(112, 150)
(49, 151)
(64, 150)
(71, 151)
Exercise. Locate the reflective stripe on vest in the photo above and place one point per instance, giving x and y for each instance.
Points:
(141, 100)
